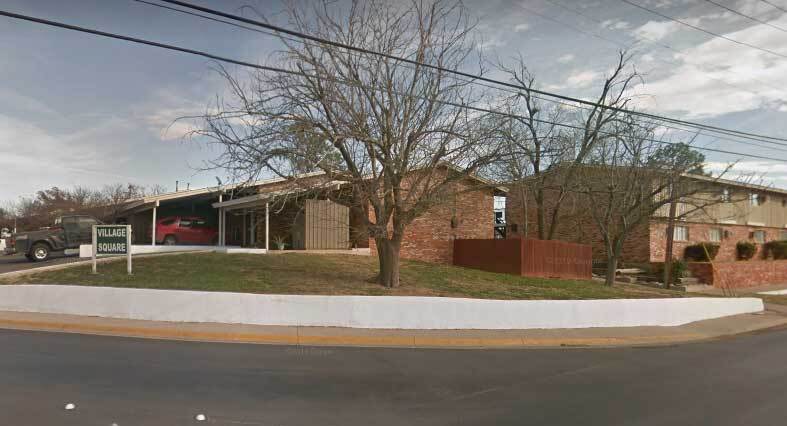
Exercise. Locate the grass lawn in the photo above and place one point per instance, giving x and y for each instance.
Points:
(327, 274)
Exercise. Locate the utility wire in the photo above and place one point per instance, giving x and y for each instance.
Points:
(742, 43)
(759, 21)
(474, 77)
(281, 70)
(661, 44)
(517, 92)
(774, 6)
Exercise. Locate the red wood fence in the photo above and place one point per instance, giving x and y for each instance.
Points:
(527, 257)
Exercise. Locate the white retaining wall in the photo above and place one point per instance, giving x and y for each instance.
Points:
(366, 311)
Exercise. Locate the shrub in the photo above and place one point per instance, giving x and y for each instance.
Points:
(745, 249)
(679, 268)
(701, 252)
(775, 249)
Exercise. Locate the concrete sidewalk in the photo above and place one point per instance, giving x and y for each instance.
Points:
(331, 336)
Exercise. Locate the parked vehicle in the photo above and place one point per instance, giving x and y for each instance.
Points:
(174, 230)
(67, 232)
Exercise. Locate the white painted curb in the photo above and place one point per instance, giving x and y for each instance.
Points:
(391, 312)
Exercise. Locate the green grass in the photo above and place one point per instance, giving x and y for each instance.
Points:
(327, 274)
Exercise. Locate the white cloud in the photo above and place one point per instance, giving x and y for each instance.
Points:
(754, 79)
(564, 59)
(519, 28)
(657, 30)
(41, 159)
(753, 171)
(615, 24)
(582, 78)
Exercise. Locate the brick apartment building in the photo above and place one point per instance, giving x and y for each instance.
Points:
(743, 212)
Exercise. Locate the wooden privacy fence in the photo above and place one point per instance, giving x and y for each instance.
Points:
(527, 257)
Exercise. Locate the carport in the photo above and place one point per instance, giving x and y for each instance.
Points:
(143, 213)
(287, 217)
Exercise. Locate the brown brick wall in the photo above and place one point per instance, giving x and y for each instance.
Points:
(575, 225)
(430, 237)
(741, 274)
(699, 232)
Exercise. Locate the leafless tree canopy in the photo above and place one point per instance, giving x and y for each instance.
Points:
(398, 133)
(540, 135)
(630, 176)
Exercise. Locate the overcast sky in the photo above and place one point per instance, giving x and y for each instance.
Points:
(77, 109)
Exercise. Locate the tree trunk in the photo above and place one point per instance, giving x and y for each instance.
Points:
(388, 255)
(612, 266)
(670, 243)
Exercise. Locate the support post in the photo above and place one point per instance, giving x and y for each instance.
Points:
(223, 227)
(218, 219)
(153, 232)
(252, 228)
(128, 249)
(243, 234)
(267, 227)
(93, 255)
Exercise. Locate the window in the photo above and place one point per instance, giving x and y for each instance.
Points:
(680, 233)
(759, 236)
(726, 197)
(167, 222)
(756, 199)
(715, 235)
(185, 223)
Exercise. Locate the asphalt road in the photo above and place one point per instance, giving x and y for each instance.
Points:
(121, 381)
(18, 262)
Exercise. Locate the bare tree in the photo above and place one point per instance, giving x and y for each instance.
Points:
(628, 178)
(115, 196)
(397, 134)
(537, 145)
(532, 140)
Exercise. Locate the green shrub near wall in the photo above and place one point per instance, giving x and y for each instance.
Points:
(701, 252)
(776, 249)
(745, 250)
(679, 268)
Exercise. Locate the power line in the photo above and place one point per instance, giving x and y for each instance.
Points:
(457, 72)
(742, 43)
(475, 82)
(760, 21)
(462, 79)
(773, 5)
(661, 44)
(281, 70)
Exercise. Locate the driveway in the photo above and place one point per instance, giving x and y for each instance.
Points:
(18, 262)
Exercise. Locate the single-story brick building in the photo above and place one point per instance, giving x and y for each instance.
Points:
(309, 213)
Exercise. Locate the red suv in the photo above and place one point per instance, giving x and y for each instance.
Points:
(185, 230)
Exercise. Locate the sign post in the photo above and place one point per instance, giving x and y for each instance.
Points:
(112, 239)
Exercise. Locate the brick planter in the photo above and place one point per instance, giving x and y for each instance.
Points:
(740, 274)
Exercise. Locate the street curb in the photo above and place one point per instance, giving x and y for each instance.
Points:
(303, 337)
